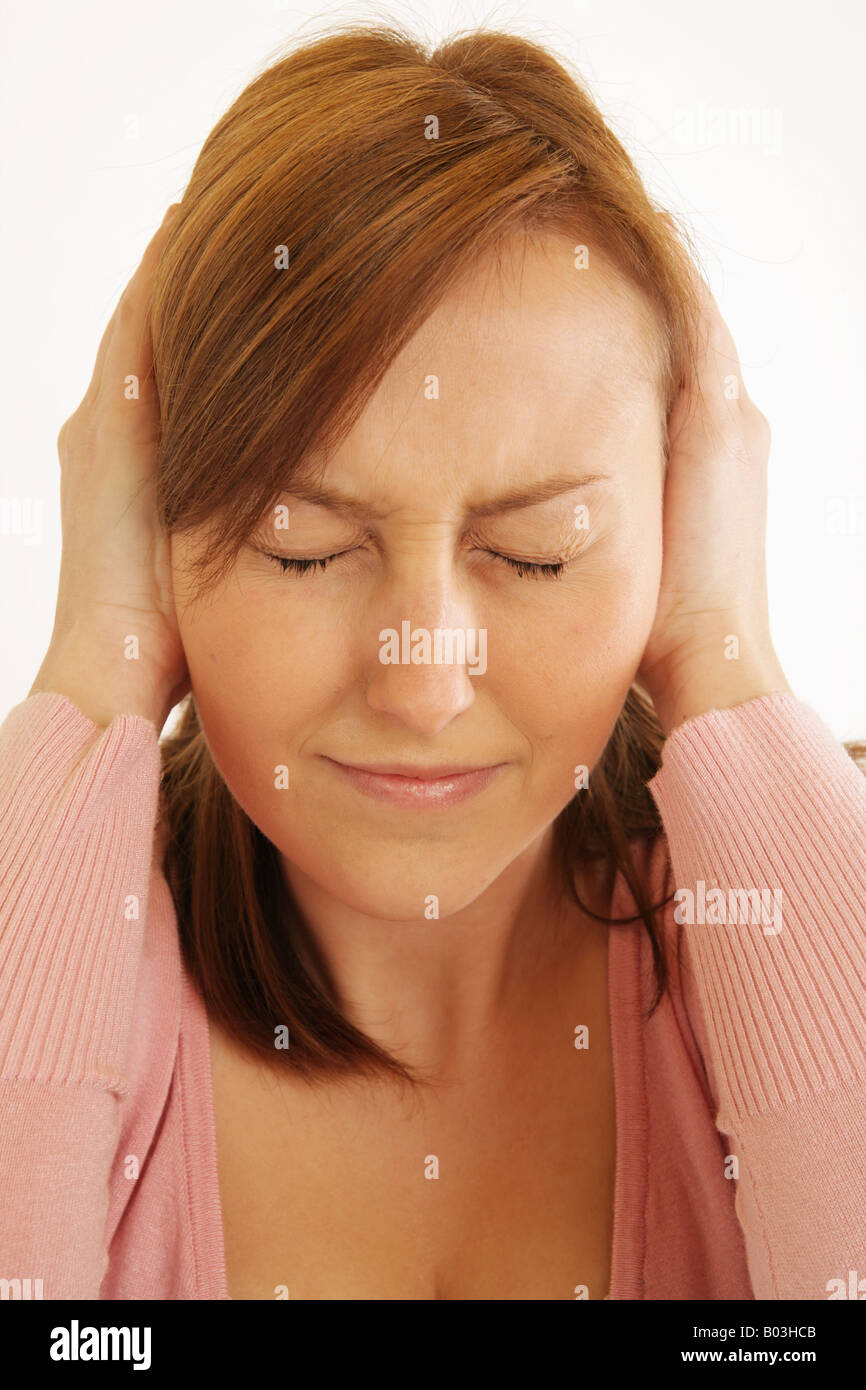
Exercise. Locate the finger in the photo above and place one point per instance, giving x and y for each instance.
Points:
(137, 291)
(130, 302)
(715, 351)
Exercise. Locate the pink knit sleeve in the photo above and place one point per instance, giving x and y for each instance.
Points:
(764, 797)
(78, 806)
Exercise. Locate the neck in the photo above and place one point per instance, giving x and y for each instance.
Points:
(438, 993)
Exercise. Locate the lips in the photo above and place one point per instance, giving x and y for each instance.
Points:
(413, 787)
(418, 774)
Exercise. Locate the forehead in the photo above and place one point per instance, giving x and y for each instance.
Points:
(527, 363)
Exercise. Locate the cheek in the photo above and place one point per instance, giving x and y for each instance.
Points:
(230, 656)
(267, 669)
(573, 651)
(264, 656)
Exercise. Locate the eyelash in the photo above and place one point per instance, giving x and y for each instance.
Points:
(524, 568)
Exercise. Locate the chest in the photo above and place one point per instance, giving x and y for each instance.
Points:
(500, 1185)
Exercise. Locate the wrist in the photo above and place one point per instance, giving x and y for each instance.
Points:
(100, 705)
(715, 682)
(101, 692)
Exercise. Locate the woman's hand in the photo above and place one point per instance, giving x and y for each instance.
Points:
(115, 647)
(713, 593)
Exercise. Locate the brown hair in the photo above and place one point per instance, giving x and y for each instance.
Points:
(328, 154)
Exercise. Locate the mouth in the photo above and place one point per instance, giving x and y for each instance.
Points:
(405, 785)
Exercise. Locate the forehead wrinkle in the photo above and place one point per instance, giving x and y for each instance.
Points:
(612, 393)
(520, 497)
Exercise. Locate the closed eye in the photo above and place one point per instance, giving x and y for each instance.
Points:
(536, 569)
(291, 564)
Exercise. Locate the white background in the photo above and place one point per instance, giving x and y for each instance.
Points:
(746, 118)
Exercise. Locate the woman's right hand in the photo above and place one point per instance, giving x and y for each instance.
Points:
(115, 647)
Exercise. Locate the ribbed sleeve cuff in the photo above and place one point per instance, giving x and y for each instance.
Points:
(78, 807)
(764, 797)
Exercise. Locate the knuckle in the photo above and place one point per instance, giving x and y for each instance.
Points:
(759, 421)
(126, 309)
(64, 435)
(754, 422)
(74, 432)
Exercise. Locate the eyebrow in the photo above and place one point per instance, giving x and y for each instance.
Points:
(512, 500)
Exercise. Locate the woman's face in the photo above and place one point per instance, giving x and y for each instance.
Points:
(528, 378)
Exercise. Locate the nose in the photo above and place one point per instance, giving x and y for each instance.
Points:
(426, 648)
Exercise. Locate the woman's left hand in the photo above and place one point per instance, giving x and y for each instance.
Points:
(710, 644)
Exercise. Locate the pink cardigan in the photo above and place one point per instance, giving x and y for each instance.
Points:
(740, 1106)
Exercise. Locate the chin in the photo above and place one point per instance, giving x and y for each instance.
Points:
(425, 890)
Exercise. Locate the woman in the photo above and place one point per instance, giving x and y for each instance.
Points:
(492, 943)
